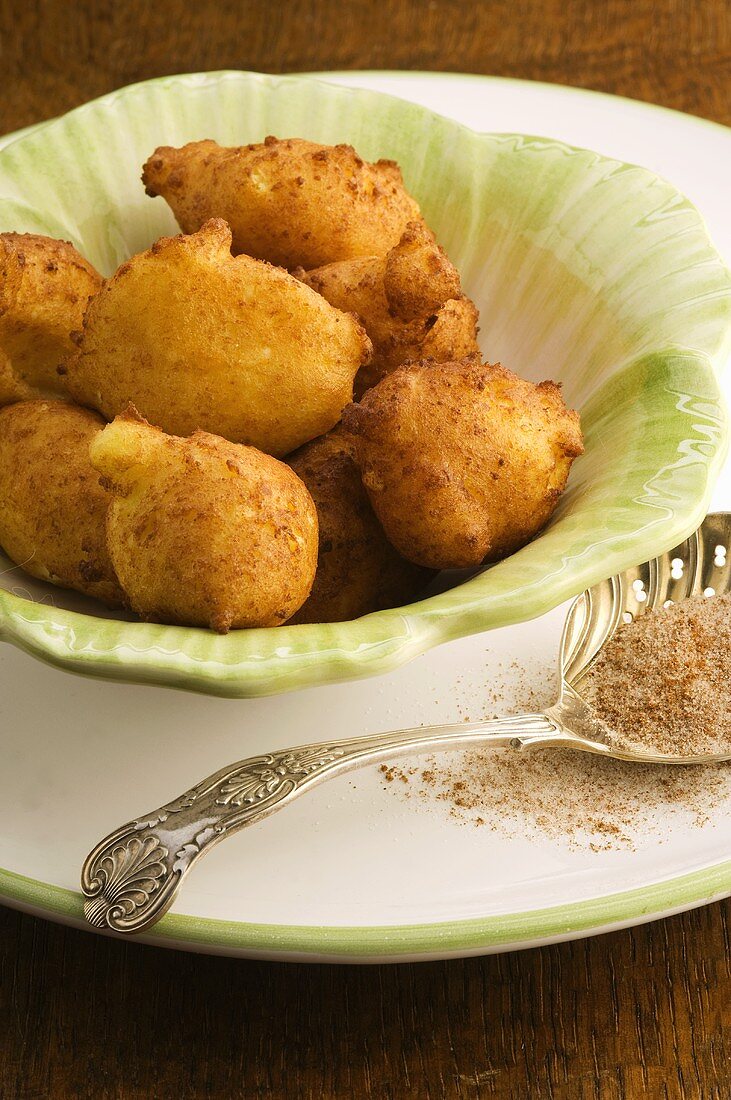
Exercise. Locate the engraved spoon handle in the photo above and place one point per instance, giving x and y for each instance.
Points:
(131, 878)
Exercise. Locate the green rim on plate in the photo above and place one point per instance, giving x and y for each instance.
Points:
(353, 942)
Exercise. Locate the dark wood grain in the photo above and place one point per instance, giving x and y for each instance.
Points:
(57, 54)
(642, 1013)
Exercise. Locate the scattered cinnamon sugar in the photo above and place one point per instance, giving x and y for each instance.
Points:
(579, 799)
(585, 801)
(664, 680)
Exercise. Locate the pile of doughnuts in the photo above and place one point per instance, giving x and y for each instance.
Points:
(182, 439)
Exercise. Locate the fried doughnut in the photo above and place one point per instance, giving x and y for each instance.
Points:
(204, 532)
(45, 286)
(358, 571)
(52, 507)
(292, 202)
(463, 462)
(197, 338)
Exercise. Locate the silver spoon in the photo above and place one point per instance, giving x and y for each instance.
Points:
(132, 877)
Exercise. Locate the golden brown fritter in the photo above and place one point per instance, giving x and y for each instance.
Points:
(292, 202)
(52, 507)
(409, 300)
(204, 532)
(462, 461)
(197, 338)
(358, 571)
(45, 286)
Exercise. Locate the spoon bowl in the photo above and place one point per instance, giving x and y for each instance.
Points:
(131, 878)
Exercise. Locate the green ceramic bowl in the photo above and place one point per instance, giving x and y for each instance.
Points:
(585, 269)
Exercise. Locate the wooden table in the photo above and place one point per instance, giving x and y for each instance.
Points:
(643, 1013)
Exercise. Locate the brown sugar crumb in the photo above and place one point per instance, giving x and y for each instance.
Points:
(664, 680)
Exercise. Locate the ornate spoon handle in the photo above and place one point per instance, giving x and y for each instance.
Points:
(131, 877)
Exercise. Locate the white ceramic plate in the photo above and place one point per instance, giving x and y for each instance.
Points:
(354, 872)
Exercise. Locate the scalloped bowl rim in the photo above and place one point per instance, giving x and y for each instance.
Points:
(148, 653)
